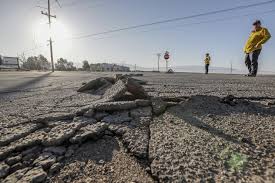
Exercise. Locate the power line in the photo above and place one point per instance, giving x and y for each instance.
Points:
(175, 19)
(189, 24)
(75, 2)
(57, 2)
(196, 23)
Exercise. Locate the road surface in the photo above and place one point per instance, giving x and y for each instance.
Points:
(203, 136)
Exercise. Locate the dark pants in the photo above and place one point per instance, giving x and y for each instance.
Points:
(206, 68)
(252, 63)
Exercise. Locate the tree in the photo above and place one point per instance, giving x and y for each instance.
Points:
(63, 65)
(71, 67)
(36, 63)
(86, 65)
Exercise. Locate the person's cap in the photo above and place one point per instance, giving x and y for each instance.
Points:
(257, 22)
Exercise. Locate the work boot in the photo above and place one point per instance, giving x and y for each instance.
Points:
(250, 75)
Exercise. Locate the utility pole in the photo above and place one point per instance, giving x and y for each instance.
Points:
(159, 55)
(48, 14)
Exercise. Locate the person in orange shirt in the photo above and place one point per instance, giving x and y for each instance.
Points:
(253, 47)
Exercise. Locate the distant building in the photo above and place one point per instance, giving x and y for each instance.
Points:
(105, 67)
(9, 62)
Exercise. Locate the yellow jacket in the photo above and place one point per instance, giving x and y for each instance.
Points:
(256, 39)
(207, 60)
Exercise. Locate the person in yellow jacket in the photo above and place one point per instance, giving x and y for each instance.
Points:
(207, 62)
(253, 47)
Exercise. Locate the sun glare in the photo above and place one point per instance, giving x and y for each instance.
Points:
(59, 33)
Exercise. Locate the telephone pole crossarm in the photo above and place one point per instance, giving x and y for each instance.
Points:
(44, 13)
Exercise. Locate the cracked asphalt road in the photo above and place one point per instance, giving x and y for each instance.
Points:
(185, 142)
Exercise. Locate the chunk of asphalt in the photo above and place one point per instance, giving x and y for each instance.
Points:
(115, 106)
(136, 141)
(159, 106)
(61, 133)
(12, 134)
(116, 91)
(89, 132)
(141, 112)
(4, 170)
(119, 117)
(93, 85)
(34, 175)
(136, 89)
(53, 117)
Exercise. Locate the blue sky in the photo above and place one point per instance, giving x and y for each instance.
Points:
(223, 35)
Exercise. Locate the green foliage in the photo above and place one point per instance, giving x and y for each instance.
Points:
(237, 162)
(234, 161)
(63, 65)
(86, 65)
(36, 63)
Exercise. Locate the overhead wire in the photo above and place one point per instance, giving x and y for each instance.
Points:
(174, 19)
(171, 20)
(188, 24)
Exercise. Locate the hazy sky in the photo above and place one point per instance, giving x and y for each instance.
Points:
(223, 35)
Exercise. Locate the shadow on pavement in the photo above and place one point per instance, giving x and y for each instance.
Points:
(198, 108)
(26, 84)
(195, 122)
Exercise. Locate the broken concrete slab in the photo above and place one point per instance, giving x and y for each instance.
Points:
(136, 89)
(116, 91)
(82, 110)
(141, 112)
(56, 150)
(4, 170)
(110, 79)
(119, 117)
(119, 129)
(13, 160)
(89, 114)
(93, 85)
(32, 150)
(159, 106)
(53, 117)
(55, 168)
(115, 106)
(136, 141)
(84, 120)
(100, 115)
(89, 132)
(45, 160)
(61, 133)
(16, 167)
(35, 175)
(9, 135)
(119, 77)
(143, 102)
(31, 140)
(16, 176)
(127, 97)
(141, 121)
